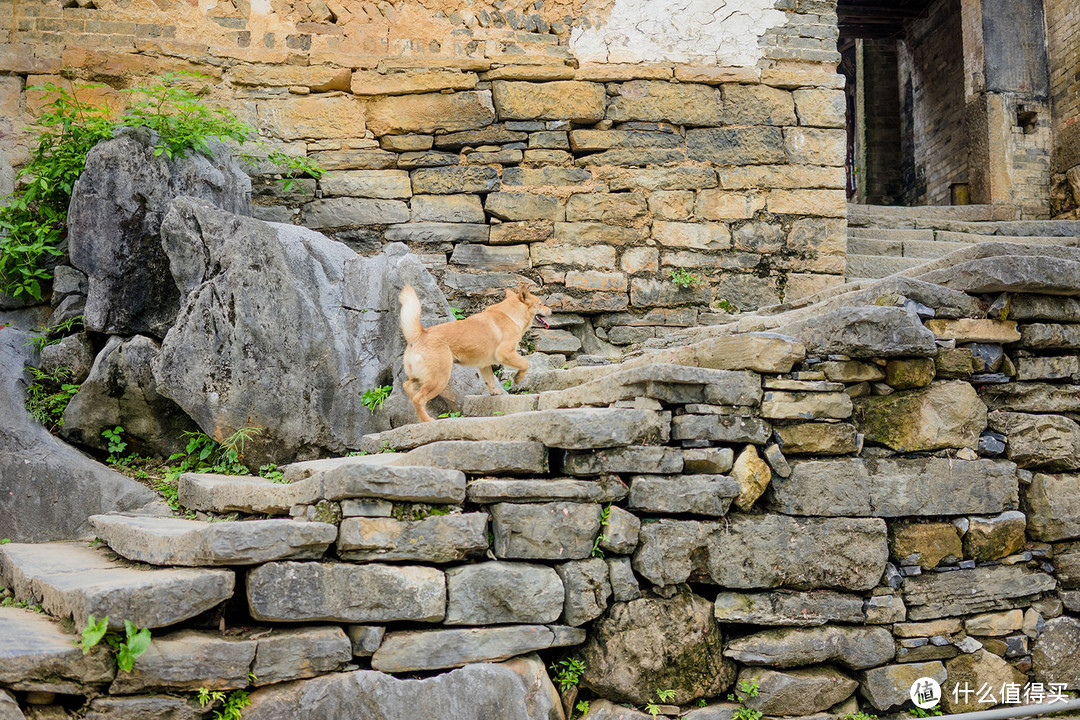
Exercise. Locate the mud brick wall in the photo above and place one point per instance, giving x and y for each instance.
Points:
(883, 487)
(512, 144)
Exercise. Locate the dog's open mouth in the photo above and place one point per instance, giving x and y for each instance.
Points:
(539, 320)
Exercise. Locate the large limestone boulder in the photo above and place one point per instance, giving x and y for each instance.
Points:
(284, 329)
(652, 643)
(121, 390)
(47, 487)
(518, 689)
(114, 223)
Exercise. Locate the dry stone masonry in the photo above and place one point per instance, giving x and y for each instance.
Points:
(833, 498)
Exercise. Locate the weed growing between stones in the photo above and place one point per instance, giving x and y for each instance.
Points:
(582, 707)
(663, 696)
(567, 673)
(924, 713)
(685, 279)
(48, 396)
(605, 520)
(7, 598)
(47, 336)
(863, 716)
(746, 689)
(134, 643)
(373, 398)
(34, 222)
(232, 704)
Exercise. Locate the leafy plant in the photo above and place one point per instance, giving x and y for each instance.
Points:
(567, 672)
(4, 541)
(204, 454)
(701, 702)
(859, 716)
(750, 687)
(93, 633)
(747, 688)
(34, 222)
(458, 313)
(232, 705)
(48, 396)
(271, 472)
(605, 520)
(373, 398)
(925, 713)
(116, 444)
(47, 336)
(582, 706)
(685, 279)
(452, 414)
(665, 695)
(134, 643)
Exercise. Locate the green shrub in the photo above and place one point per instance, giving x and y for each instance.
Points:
(48, 396)
(34, 222)
(373, 398)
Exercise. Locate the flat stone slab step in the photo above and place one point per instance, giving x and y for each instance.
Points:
(73, 580)
(667, 383)
(37, 654)
(489, 405)
(877, 247)
(413, 650)
(475, 457)
(890, 234)
(969, 238)
(571, 429)
(370, 476)
(1048, 228)
(870, 214)
(193, 543)
(873, 266)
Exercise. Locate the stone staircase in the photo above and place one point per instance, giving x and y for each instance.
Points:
(883, 240)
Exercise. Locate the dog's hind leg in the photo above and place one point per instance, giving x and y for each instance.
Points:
(439, 363)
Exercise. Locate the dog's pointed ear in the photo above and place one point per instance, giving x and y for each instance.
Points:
(523, 292)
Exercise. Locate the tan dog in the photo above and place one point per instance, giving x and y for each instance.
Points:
(480, 341)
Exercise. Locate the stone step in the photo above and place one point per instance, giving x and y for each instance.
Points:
(369, 476)
(490, 405)
(932, 249)
(193, 543)
(967, 237)
(37, 654)
(76, 581)
(479, 457)
(877, 248)
(872, 266)
(885, 214)
(570, 429)
(413, 650)
(898, 235)
(1047, 228)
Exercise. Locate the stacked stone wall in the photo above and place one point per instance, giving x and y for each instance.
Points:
(882, 487)
(1063, 39)
(482, 140)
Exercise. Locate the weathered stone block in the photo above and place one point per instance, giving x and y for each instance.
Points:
(454, 179)
(305, 652)
(994, 538)
(189, 660)
(447, 209)
(313, 117)
(751, 475)
(678, 103)
(811, 146)
(960, 592)
(1055, 656)
(495, 593)
(38, 654)
(888, 686)
(524, 206)
(438, 539)
(721, 428)
(342, 212)
(550, 531)
(925, 544)
(1046, 442)
(788, 608)
(820, 108)
(758, 105)
(359, 477)
(428, 112)
(978, 668)
(411, 650)
(818, 439)
(699, 236)
(1052, 504)
(856, 648)
(755, 145)
(606, 207)
(588, 590)
(782, 405)
(653, 459)
(620, 534)
(897, 487)
(945, 414)
(909, 373)
(605, 490)
(296, 592)
(580, 102)
(797, 692)
(765, 551)
(694, 494)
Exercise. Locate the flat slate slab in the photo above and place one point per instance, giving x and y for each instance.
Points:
(367, 477)
(788, 608)
(193, 543)
(36, 653)
(73, 580)
(760, 352)
(603, 490)
(570, 429)
(189, 660)
(856, 648)
(439, 538)
(896, 487)
(664, 382)
(434, 649)
(240, 493)
(962, 592)
(481, 457)
(340, 592)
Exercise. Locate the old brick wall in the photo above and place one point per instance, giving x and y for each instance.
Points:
(882, 179)
(511, 144)
(1063, 40)
(932, 105)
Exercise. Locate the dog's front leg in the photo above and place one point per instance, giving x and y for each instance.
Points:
(493, 386)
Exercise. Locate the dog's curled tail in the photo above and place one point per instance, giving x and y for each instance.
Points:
(410, 314)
